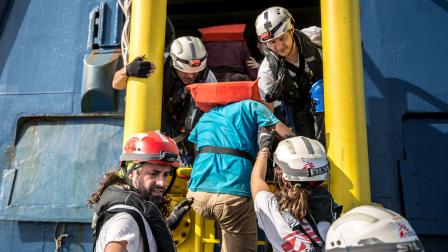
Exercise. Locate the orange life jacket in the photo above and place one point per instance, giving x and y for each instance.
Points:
(231, 32)
(209, 95)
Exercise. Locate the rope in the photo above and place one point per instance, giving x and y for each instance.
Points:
(59, 236)
(125, 6)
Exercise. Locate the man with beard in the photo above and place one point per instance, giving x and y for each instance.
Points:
(186, 64)
(129, 205)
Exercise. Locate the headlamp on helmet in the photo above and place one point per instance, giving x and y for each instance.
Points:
(191, 62)
(273, 22)
(149, 147)
(188, 54)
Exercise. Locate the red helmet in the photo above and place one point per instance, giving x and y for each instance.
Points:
(152, 147)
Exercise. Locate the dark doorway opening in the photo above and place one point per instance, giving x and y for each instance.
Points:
(189, 15)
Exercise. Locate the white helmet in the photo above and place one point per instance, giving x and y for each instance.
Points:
(273, 22)
(188, 54)
(302, 159)
(371, 228)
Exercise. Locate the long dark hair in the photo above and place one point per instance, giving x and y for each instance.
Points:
(112, 178)
(291, 196)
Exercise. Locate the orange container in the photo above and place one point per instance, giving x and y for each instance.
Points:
(231, 32)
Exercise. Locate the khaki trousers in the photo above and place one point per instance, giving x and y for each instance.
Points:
(235, 215)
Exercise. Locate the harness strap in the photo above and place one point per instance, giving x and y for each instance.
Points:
(228, 151)
(316, 231)
(311, 221)
(137, 217)
(180, 137)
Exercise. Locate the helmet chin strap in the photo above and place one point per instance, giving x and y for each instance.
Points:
(292, 46)
(127, 172)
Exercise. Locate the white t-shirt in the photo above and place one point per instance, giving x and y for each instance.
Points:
(265, 80)
(278, 225)
(123, 227)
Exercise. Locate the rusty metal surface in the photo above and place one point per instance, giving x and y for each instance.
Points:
(58, 162)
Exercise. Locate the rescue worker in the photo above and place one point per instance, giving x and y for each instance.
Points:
(291, 65)
(186, 64)
(129, 206)
(299, 212)
(253, 63)
(370, 228)
(226, 139)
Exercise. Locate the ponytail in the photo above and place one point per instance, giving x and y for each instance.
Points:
(291, 197)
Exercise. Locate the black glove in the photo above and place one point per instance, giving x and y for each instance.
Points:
(138, 68)
(274, 92)
(178, 213)
(266, 139)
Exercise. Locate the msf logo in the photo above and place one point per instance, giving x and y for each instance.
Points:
(308, 165)
(404, 230)
(297, 242)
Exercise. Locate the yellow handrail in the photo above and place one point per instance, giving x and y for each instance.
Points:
(198, 230)
(144, 96)
(346, 132)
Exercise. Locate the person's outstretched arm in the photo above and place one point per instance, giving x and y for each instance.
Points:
(137, 68)
(120, 79)
(116, 246)
(257, 180)
(281, 129)
(266, 140)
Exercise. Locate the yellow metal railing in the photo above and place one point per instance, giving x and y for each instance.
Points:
(194, 233)
(345, 122)
(144, 95)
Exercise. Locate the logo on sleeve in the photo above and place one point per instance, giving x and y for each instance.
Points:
(297, 242)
